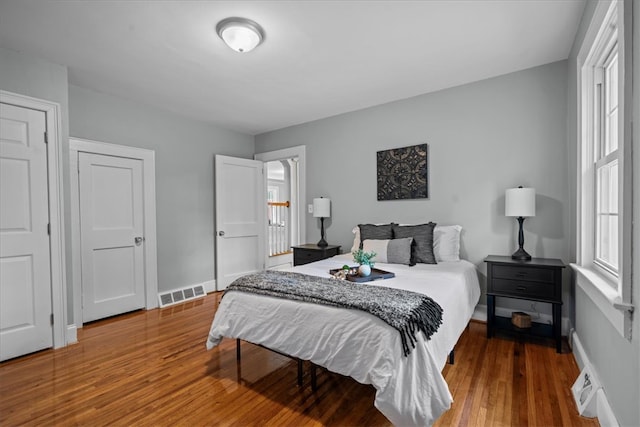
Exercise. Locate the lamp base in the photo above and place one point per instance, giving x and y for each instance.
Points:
(521, 255)
(322, 243)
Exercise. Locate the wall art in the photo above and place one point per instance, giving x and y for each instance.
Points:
(403, 173)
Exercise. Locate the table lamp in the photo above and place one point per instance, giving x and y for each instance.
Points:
(322, 210)
(521, 203)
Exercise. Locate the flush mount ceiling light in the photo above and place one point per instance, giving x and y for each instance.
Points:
(240, 34)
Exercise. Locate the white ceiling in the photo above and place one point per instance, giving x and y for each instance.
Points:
(319, 58)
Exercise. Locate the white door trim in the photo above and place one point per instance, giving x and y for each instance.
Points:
(56, 208)
(298, 151)
(147, 157)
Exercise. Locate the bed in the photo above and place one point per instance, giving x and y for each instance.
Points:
(410, 390)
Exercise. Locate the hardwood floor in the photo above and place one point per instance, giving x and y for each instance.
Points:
(152, 368)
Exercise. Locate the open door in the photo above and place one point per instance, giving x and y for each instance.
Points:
(26, 320)
(240, 218)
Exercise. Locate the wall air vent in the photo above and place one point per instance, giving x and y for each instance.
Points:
(165, 299)
(181, 295)
(177, 296)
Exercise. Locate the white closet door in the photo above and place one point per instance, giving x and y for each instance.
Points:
(25, 275)
(111, 224)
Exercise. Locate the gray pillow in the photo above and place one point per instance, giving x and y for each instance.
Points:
(375, 232)
(395, 251)
(399, 251)
(422, 249)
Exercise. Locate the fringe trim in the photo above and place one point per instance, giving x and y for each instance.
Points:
(426, 318)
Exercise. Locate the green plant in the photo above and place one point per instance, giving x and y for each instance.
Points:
(363, 258)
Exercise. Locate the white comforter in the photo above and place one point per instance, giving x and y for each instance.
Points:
(409, 390)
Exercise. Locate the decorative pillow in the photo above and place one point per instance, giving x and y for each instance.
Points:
(375, 232)
(356, 238)
(446, 242)
(395, 251)
(422, 249)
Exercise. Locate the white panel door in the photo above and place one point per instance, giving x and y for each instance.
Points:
(111, 229)
(240, 218)
(25, 277)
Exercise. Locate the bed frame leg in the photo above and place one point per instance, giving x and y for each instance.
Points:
(314, 378)
(299, 372)
(451, 357)
(237, 348)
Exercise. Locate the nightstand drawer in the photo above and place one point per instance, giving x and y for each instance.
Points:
(517, 288)
(305, 257)
(304, 254)
(523, 273)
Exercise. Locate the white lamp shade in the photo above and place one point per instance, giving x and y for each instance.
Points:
(520, 202)
(321, 208)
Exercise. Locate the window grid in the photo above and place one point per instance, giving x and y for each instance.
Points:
(606, 158)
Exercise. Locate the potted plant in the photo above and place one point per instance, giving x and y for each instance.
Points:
(365, 259)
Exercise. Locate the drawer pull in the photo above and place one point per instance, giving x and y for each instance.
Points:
(520, 275)
(521, 288)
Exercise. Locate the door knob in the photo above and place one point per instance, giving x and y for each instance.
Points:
(138, 240)
(220, 233)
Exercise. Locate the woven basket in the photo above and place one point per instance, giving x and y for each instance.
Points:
(520, 319)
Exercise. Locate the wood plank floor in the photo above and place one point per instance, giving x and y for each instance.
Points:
(151, 368)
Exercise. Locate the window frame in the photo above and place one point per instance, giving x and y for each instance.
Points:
(609, 289)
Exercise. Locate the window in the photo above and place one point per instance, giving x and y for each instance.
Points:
(604, 178)
(605, 140)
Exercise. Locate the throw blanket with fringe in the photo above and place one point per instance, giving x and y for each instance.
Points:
(408, 312)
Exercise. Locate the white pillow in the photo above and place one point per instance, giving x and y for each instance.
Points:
(356, 238)
(446, 242)
(394, 251)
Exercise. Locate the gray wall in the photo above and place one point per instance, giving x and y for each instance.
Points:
(184, 152)
(31, 76)
(615, 359)
(483, 138)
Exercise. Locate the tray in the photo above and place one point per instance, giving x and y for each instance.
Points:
(376, 274)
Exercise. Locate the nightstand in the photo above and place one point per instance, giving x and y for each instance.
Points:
(310, 252)
(539, 279)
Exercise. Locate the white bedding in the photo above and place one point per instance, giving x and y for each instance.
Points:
(409, 390)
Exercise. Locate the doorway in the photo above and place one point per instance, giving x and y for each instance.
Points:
(286, 191)
(282, 215)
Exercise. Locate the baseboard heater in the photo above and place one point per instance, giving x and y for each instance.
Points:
(181, 295)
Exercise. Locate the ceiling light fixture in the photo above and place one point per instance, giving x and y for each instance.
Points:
(240, 34)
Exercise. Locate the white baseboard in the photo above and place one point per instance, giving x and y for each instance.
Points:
(578, 350)
(480, 313)
(72, 334)
(606, 418)
(209, 286)
(604, 413)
